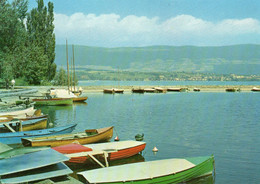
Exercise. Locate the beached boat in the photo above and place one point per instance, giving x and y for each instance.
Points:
(255, 89)
(113, 90)
(15, 137)
(149, 90)
(53, 101)
(196, 89)
(19, 112)
(86, 137)
(231, 90)
(177, 89)
(138, 90)
(159, 171)
(160, 90)
(110, 151)
(18, 126)
(33, 167)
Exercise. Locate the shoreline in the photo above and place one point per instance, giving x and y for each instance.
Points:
(99, 89)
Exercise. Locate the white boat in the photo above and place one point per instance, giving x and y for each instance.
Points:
(19, 112)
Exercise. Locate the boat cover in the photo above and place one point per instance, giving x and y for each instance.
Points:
(55, 170)
(31, 161)
(137, 171)
(71, 148)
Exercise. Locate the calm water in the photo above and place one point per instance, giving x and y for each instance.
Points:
(180, 125)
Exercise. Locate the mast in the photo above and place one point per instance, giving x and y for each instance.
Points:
(74, 77)
(68, 66)
(71, 75)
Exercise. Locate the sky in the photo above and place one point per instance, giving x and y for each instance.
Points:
(137, 23)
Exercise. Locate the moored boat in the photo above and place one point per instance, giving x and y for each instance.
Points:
(33, 167)
(196, 89)
(177, 89)
(149, 90)
(15, 137)
(231, 90)
(111, 150)
(18, 126)
(86, 137)
(19, 112)
(160, 90)
(138, 90)
(159, 171)
(255, 89)
(53, 101)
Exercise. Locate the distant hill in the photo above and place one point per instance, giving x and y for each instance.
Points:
(237, 59)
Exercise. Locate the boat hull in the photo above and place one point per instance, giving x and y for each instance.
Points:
(28, 111)
(104, 134)
(53, 101)
(123, 149)
(151, 172)
(38, 125)
(15, 137)
(79, 99)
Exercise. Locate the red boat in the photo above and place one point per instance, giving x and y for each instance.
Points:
(110, 151)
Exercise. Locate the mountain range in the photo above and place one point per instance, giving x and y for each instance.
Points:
(234, 59)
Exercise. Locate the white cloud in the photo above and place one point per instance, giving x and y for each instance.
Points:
(111, 30)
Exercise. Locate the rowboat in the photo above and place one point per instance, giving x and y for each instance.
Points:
(231, 90)
(18, 126)
(53, 101)
(138, 90)
(82, 153)
(110, 151)
(113, 90)
(255, 89)
(18, 112)
(33, 167)
(196, 89)
(177, 89)
(160, 90)
(79, 99)
(149, 90)
(15, 137)
(159, 171)
(86, 137)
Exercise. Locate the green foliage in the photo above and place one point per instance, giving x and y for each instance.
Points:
(61, 78)
(21, 82)
(27, 52)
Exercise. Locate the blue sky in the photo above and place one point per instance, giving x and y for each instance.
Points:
(116, 23)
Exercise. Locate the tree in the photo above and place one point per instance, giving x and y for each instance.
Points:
(41, 33)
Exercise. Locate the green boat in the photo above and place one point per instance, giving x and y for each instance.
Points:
(53, 101)
(159, 171)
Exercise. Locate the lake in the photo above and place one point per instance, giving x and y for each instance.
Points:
(180, 125)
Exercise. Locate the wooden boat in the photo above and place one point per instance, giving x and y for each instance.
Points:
(111, 150)
(159, 171)
(109, 91)
(231, 90)
(33, 167)
(19, 112)
(86, 137)
(160, 90)
(255, 89)
(53, 101)
(177, 89)
(15, 137)
(138, 90)
(18, 126)
(196, 89)
(149, 90)
(79, 99)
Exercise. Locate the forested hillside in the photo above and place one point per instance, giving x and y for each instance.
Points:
(237, 59)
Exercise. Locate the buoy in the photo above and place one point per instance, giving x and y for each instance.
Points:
(155, 149)
(116, 138)
(51, 124)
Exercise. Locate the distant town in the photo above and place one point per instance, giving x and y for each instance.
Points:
(155, 76)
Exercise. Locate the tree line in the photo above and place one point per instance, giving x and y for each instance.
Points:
(27, 42)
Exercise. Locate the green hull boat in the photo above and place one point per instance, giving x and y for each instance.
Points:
(160, 171)
(53, 101)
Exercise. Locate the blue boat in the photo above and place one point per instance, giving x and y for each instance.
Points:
(15, 137)
(31, 167)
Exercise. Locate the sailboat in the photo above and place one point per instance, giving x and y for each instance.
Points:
(70, 93)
